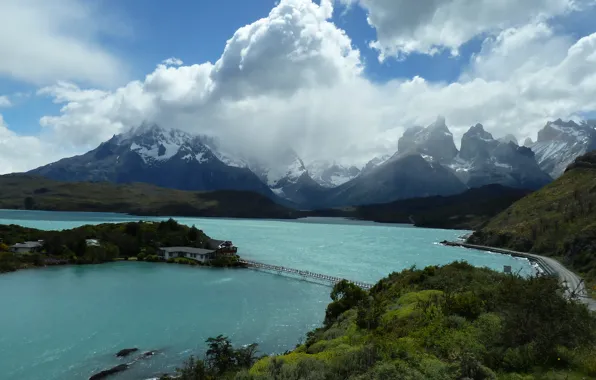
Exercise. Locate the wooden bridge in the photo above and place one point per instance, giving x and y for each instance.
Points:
(330, 280)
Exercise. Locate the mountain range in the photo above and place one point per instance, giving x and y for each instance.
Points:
(427, 163)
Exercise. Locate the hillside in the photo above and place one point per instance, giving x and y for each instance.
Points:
(19, 191)
(468, 210)
(558, 220)
(439, 323)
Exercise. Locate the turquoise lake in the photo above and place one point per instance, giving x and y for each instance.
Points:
(66, 323)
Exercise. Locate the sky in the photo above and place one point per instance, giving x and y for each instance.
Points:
(332, 79)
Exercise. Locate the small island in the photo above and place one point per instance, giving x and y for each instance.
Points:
(166, 241)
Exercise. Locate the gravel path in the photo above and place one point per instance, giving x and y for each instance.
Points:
(572, 282)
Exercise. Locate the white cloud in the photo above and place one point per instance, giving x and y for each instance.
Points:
(406, 26)
(42, 41)
(172, 61)
(5, 101)
(20, 153)
(295, 79)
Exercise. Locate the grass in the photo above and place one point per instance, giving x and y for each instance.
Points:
(556, 221)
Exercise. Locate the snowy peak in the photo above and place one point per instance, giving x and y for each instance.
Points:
(331, 174)
(287, 168)
(483, 160)
(528, 142)
(560, 142)
(155, 145)
(374, 163)
(435, 142)
(569, 131)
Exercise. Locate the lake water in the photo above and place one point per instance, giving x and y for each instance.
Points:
(68, 322)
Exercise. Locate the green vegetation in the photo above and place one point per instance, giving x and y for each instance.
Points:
(19, 191)
(467, 211)
(450, 322)
(133, 240)
(557, 221)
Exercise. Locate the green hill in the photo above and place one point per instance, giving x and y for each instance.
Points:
(559, 220)
(440, 323)
(18, 191)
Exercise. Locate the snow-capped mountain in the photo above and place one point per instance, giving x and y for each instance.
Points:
(559, 143)
(375, 162)
(483, 160)
(434, 142)
(167, 158)
(331, 174)
(286, 175)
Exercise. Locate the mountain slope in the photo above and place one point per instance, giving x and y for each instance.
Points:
(166, 158)
(559, 143)
(19, 191)
(468, 210)
(558, 220)
(402, 176)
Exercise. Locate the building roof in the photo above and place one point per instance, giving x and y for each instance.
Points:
(200, 251)
(28, 244)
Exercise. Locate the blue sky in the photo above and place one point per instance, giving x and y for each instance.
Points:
(514, 70)
(196, 31)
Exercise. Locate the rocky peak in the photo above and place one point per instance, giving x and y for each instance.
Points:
(476, 144)
(435, 142)
(569, 131)
(528, 142)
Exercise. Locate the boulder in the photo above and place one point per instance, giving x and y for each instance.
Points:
(125, 352)
(105, 373)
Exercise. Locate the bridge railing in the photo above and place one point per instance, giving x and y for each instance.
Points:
(303, 273)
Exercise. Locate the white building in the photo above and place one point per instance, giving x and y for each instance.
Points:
(198, 254)
(28, 246)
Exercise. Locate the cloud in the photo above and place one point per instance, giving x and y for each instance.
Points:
(5, 101)
(42, 41)
(295, 79)
(172, 61)
(405, 26)
(20, 153)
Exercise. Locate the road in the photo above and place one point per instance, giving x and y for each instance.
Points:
(571, 281)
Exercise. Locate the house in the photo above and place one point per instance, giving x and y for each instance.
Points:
(215, 248)
(26, 247)
(92, 242)
(199, 254)
(223, 247)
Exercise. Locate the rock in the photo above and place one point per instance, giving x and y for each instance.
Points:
(148, 354)
(108, 372)
(125, 352)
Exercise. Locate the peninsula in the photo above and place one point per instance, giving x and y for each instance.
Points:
(166, 241)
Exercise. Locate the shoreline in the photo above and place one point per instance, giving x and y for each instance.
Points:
(574, 285)
(123, 260)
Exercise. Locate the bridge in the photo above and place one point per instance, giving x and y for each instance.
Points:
(326, 279)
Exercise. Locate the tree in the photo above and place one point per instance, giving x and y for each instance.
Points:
(246, 356)
(193, 233)
(345, 295)
(220, 355)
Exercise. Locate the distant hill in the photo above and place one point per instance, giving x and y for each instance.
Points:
(558, 220)
(21, 191)
(468, 210)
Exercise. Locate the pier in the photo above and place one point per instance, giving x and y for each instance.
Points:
(307, 275)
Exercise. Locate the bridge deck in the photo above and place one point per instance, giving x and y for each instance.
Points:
(302, 273)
